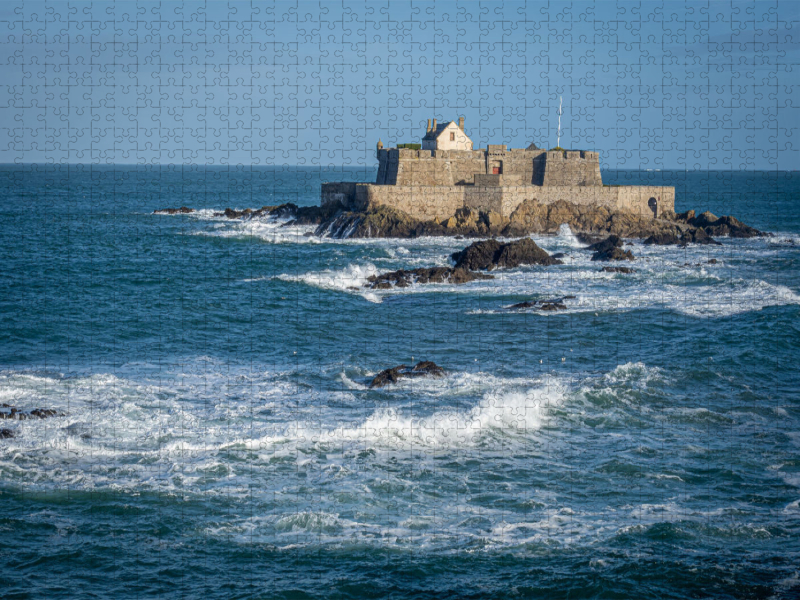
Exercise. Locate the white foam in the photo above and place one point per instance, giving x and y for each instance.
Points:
(351, 279)
(567, 238)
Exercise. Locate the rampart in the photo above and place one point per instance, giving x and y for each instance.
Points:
(429, 202)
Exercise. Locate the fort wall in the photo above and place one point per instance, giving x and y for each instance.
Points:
(434, 183)
(429, 202)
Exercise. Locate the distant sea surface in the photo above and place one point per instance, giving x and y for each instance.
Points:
(221, 440)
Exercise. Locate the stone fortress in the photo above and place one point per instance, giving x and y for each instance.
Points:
(446, 174)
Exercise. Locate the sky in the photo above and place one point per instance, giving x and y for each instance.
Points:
(656, 85)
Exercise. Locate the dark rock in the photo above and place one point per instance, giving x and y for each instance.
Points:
(237, 214)
(732, 227)
(522, 305)
(488, 254)
(613, 254)
(703, 219)
(607, 244)
(558, 255)
(617, 270)
(285, 211)
(551, 306)
(588, 238)
(173, 211)
(403, 278)
(610, 249)
(546, 305)
(421, 369)
(697, 236)
(12, 412)
(685, 217)
(663, 239)
(6, 434)
(712, 261)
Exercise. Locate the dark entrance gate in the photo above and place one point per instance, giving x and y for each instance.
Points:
(653, 204)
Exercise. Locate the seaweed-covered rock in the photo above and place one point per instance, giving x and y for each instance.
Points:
(173, 211)
(404, 278)
(488, 254)
(421, 369)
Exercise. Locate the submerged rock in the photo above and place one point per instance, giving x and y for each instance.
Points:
(421, 369)
(6, 434)
(488, 254)
(404, 278)
(626, 270)
(173, 211)
(12, 412)
(546, 305)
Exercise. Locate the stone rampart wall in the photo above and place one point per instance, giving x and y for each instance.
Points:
(572, 167)
(428, 202)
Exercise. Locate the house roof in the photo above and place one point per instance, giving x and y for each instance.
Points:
(435, 133)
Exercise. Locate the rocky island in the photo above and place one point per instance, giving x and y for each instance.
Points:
(446, 188)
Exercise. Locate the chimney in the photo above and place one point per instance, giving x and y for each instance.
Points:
(434, 125)
(429, 126)
(461, 123)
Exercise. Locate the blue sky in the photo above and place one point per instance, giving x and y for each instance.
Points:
(706, 85)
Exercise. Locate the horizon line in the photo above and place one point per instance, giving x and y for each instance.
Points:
(71, 164)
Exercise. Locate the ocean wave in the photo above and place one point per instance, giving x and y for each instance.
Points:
(351, 279)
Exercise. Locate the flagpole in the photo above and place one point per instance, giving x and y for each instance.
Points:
(558, 133)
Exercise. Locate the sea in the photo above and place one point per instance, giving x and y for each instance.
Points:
(219, 437)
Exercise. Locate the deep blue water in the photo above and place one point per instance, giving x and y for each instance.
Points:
(220, 439)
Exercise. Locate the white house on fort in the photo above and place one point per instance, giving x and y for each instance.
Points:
(447, 136)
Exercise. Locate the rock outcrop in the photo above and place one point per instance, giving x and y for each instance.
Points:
(663, 239)
(404, 278)
(421, 369)
(530, 217)
(12, 412)
(488, 254)
(173, 211)
(626, 270)
(697, 236)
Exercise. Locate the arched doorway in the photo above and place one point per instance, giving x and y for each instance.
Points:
(653, 205)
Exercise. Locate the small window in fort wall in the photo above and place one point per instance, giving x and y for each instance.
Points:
(452, 137)
(497, 168)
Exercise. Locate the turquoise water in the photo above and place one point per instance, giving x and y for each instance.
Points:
(220, 439)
